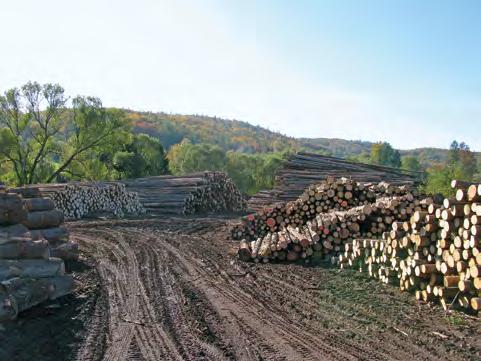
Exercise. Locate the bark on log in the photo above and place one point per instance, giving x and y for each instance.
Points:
(39, 204)
(25, 248)
(54, 234)
(44, 219)
(67, 251)
(31, 268)
(17, 230)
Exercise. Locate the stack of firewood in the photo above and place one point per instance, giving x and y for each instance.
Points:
(303, 169)
(188, 194)
(436, 254)
(28, 273)
(329, 195)
(78, 200)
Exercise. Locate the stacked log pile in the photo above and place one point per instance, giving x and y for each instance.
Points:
(436, 254)
(428, 246)
(44, 221)
(28, 273)
(189, 194)
(78, 200)
(324, 237)
(304, 169)
(328, 195)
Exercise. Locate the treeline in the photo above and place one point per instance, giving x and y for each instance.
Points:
(46, 136)
(233, 135)
(461, 164)
(251, 172)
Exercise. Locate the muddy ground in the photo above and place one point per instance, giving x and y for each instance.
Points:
(172, 289)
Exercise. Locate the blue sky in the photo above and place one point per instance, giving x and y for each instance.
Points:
(408, 72)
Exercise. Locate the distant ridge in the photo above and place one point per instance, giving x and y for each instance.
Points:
(244, 137)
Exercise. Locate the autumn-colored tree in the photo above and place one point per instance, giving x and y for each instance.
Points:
(383, 153)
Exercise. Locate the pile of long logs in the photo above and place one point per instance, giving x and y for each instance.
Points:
(328, 195)
(78, 200)
(188, 194)
(28, 273)
(303, 169)
(436, 254)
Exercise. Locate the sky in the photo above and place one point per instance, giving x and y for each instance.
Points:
(407, 72)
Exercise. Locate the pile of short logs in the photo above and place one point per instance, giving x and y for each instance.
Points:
(329, 195)
(427, 245)
(28, 273)
(188, 194)
(435, 254)
(78, 200)
(324, 236)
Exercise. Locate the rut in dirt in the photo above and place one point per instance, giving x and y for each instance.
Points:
(174, 293)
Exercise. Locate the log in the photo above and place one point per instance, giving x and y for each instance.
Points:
(67, 251)
(26, 192)
(44, 219)
(8, 307)
(61, 286)
(20, 294)
(244, 251)
(55, 234)
(16, 230)
(39, 204)
(25, 248)
(31, 268)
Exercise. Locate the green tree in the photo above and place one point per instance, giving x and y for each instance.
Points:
(411, 163)
(186, 157)
(360, 158)
(384, 154)
(461, 164)
(41, 137)
(144, 156)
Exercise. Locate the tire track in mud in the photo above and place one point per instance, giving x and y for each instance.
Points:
(174, 294)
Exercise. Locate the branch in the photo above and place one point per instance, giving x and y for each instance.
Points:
(77, 153)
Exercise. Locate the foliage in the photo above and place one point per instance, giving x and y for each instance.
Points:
(186, 157)
(143, 156)
(41, 138)
(360, 158)
(461, 165)
(383, 153)
(234, 135)
(410, 163)
(251, 172)
(335, 147)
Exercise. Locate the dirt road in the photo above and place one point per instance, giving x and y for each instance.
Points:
(172, 290)
(175, 292)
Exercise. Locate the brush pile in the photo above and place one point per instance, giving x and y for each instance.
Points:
(436, 254)
(28, 273)
(303, 169)
(188, 194)
(78, 200)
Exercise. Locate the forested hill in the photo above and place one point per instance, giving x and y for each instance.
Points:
(234, 135)
(241, 136)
